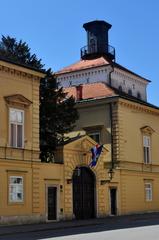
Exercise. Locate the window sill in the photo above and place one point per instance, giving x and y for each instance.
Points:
(15, 203)
(21, 148)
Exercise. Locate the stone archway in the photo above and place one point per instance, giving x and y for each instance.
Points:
(83, 193)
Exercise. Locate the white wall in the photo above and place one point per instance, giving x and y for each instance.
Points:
(101, 74)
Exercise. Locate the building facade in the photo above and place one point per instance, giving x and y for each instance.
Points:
(32, 191)
(113, 109)
(25, 182)
(114, 112)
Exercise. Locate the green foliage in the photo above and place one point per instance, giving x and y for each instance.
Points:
(18, 52)
(57, 116)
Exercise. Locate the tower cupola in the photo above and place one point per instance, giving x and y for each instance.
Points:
(97, 41)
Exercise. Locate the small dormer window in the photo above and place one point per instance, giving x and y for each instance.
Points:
(130, 92)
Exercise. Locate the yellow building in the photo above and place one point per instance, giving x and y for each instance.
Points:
(130, 130)
(114, 112)
(32, 191)
(24, 179)
(113, 109)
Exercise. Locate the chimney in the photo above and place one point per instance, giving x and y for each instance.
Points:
(79, 92)
(97, 41)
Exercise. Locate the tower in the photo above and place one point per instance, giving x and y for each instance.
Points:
(97, 41)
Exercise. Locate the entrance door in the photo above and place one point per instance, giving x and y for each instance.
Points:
(52, 203)
(83, 193)
(113, 202)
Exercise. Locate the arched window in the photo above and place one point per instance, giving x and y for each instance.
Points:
(130, 92)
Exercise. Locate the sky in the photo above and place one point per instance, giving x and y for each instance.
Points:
(53, 30)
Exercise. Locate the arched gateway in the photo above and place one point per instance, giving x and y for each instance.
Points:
(83, 193)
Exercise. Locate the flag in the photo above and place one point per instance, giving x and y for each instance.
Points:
(96, 151)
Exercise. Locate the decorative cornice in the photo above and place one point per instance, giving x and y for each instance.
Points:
(19, 71)
(138, 107)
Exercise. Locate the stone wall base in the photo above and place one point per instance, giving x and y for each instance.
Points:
(11, 220)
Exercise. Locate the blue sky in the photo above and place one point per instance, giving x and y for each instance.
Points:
(53, 30)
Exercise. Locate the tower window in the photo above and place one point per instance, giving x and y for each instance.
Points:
(139, 95)
(120, 88)
(130, 92)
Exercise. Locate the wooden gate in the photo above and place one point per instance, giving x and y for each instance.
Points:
(83, 193)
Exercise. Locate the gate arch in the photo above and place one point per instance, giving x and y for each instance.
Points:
(83, 193)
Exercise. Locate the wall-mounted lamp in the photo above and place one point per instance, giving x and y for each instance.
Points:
(110, 175)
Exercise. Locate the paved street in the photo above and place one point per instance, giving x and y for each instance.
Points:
(85, 233)
(117, 229)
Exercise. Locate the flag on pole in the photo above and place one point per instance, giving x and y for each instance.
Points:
(96, 151)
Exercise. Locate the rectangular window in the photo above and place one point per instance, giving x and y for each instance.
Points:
(148, 191)
(147, 149)
(95, 136)
(15, 189)
(16, 118)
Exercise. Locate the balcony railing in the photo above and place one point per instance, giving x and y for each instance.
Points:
(97, 50)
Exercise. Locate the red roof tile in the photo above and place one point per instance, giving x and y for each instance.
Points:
(84, 64)
(93, 90)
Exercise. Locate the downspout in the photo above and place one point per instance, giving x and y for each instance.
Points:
(111, 123)
(112, 141)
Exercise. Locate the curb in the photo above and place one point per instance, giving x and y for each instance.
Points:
(19, 231)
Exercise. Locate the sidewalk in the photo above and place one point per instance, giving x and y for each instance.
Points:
(108, 221)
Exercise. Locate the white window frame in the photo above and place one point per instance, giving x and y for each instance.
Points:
(18, 187)
(10, 122)
(147, 149)
(95, 133)
(148, 192)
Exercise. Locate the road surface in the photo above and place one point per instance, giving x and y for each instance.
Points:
(143, 229)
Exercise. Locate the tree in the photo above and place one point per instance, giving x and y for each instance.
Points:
(57, 111)
(18, 52)
(57, 116)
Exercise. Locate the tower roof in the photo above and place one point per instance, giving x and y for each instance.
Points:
(96, 23)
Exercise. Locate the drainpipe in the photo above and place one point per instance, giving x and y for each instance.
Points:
(111, 122)
(112, 142)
